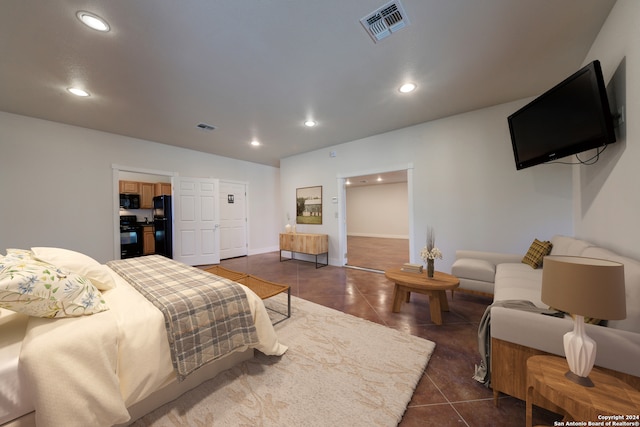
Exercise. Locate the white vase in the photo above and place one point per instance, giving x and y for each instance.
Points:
(580, 351)
(287, 228)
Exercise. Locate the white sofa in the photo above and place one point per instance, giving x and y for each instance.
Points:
(516, 334)
(477, 269)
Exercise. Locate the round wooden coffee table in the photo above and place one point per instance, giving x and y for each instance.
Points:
(435, 287)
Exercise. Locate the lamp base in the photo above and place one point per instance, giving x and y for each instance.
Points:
(583, 381)
(580, 351)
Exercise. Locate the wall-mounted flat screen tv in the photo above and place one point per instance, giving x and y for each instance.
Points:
(570, 118)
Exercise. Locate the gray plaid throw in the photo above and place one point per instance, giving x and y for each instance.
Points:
(206, 316)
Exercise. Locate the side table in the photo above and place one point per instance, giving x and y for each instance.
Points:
(609, 396)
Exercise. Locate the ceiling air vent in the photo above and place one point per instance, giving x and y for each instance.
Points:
(385, 20)
(205, 126)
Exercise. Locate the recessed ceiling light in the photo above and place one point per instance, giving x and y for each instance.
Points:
(407, 87)
(93, 21)
(78, 92)
(255, 143)
(310, 123)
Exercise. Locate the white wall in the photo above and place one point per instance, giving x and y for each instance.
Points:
(379, 210)
(465, 184)
(143, 177)
(606, 195)
(57, 185)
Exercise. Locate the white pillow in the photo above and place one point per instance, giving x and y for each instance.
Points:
(78, 263)
(40, 289)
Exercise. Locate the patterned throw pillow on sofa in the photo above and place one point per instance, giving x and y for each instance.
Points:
(537, 251)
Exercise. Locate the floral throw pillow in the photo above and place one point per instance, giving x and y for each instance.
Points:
(40, 289)
(19, 254)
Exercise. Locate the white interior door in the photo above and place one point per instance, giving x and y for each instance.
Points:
(196, 213)
(233, 219)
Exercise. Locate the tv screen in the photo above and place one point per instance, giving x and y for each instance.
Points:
(570, 118)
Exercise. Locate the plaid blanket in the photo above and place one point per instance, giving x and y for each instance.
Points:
(206, 316)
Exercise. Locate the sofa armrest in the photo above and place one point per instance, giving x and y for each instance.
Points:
(494, 258)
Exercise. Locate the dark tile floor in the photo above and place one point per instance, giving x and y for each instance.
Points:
(446, 395)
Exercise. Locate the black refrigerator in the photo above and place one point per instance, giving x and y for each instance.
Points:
(162, 223)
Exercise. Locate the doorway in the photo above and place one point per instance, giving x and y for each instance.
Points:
(233, 219)
(233, 224)
(128, 173)
(196, 220)
(377, 216)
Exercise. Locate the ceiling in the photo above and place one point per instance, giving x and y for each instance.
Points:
(392, 177)
(258, 69)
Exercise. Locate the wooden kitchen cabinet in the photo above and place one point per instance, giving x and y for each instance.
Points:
(148, 240)
(305, 243)
(129, 187)
(162, 189)
(147, 191)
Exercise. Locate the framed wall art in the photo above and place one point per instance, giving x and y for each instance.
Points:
(309, 205)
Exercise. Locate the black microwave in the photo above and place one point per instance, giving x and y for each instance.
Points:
(130, 201)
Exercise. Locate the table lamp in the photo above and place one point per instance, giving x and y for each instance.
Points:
(584, 287)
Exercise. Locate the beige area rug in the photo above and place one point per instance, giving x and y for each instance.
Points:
(340, 370)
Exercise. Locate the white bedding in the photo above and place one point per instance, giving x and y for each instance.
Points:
(88, 370)
(14, 399)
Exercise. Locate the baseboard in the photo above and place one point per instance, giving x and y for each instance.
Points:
(263, 250)
(379, 236)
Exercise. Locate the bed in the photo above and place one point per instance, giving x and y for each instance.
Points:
(111, 361)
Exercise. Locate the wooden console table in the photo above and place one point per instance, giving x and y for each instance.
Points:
(305, 243)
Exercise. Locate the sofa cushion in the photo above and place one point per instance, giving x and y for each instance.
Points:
(477, 269)
(517, 281)
(563, 245)
(537, 251)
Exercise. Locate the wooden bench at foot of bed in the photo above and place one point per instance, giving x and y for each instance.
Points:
(263, 288)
